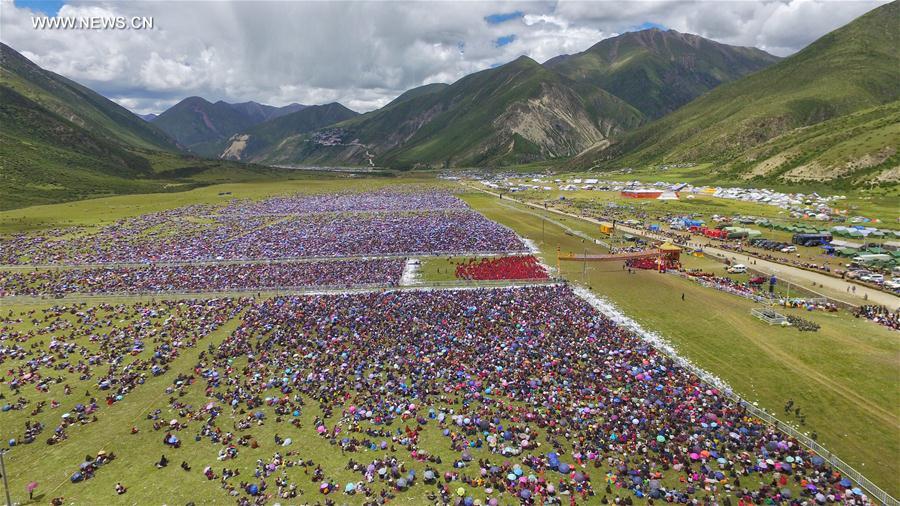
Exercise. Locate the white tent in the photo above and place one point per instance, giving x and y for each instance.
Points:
(668, 196)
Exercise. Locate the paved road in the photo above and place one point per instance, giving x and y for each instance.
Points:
(834, 288)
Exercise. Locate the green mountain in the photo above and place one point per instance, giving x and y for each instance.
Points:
(827, 112)
(262, 141)
(204, 127)
(60, 141)
(523, 112)
(658, 71)
(77, 104)
(514, 113)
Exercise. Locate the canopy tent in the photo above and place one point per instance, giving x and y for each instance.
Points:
(846, 244)
(872, 258)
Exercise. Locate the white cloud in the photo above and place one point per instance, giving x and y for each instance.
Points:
(365, 54)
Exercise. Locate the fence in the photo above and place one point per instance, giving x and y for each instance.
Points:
(769, 316)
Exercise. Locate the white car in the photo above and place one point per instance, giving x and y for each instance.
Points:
(892, 284)
(788, 249)
(871, 277)
(737, 269)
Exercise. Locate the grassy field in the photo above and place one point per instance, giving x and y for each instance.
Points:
(439, 269)
(843, 378)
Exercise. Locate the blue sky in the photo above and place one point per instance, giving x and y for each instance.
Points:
(48, 7)
(496, 19)
(506, 39)
(646, 25)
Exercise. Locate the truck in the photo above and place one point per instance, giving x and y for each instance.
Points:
(811, 239)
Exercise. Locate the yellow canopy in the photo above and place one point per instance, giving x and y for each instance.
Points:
(669, 247)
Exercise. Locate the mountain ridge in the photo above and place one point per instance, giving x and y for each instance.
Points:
(673, 67)
(203, 126)
(853, 68)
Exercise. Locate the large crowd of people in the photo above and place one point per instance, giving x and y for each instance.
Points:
(880, 315)
(728, 285)
(378, 223)
(164, 278)
(509, 395)
(104, 350)
(514, 267)
(503, 395)
(387, 199)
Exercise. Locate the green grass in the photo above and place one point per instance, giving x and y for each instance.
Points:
(439, 269)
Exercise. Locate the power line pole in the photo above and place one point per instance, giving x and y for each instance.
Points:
(584, 265)
(5, 482)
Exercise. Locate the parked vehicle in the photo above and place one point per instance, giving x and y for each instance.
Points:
(873, 278)
(811, 239)
(737, 269)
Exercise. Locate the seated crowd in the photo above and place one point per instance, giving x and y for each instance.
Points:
(201, 277)
(515, 267)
